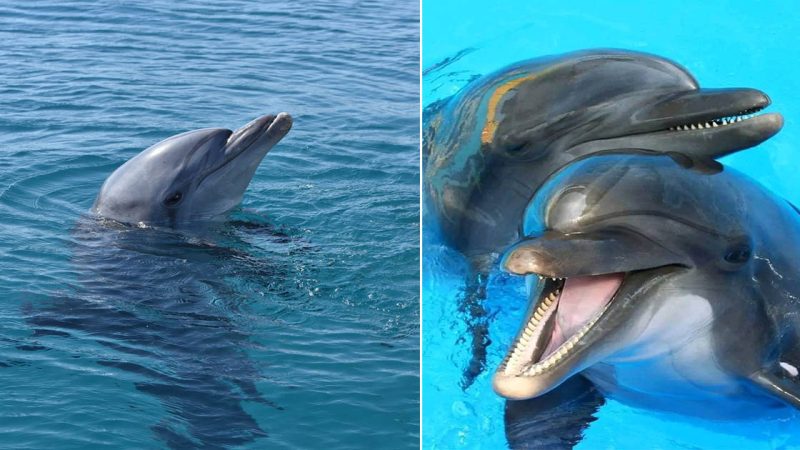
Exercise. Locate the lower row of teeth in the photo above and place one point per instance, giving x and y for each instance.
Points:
(561, 351)
(712, 124)
(517, 359)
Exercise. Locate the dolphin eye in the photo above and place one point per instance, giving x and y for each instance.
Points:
(173, 199)
(738, 254)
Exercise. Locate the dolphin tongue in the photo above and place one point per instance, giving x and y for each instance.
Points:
(582, 298)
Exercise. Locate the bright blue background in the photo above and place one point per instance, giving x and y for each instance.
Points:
(723, 44)
(324, 322)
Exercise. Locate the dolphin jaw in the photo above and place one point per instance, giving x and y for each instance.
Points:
(227, 180)
(721, 121)
(271, 127)
(534, 365)
(709, 133)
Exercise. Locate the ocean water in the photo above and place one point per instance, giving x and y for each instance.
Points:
(723, 44)
(292, 325)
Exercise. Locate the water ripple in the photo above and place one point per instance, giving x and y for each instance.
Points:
(293, 325)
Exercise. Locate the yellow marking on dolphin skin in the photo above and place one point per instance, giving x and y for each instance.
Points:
(490, 128)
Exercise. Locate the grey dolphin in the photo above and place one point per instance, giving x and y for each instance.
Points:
(670, 288)
(489, 148)
(198, 175)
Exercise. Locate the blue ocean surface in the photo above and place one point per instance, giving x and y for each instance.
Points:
(294, 324)
(723, 44)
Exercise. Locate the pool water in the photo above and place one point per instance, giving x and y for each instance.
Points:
(294, 324)
(723, 44)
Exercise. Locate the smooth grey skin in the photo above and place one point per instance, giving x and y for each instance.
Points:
(195, 176)
(709, 307)
(489, 148)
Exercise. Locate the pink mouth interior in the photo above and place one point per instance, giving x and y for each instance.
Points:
(581, 299)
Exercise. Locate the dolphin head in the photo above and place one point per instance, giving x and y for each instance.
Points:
(194, 176)
(591, 102)
(617, 246)
(491, 147)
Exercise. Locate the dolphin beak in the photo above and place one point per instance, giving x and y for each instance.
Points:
(710, 123)
(280, 125)
(702, 105)
(263, 133)
(583, 254)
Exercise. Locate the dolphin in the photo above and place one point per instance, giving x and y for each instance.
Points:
(195, 176)
(668, 287)
(148, 294)
(489, 149)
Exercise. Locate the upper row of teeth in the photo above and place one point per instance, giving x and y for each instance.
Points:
(517, 359)
(713, 123)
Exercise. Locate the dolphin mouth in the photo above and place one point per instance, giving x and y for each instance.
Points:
(722, 121)
(265, 130)
(561, 325)
(706, 109)
(260, 134)
(716, 122)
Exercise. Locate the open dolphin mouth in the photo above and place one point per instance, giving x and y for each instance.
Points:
(557, 329)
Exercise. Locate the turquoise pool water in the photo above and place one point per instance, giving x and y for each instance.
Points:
(723, 44)
(294, 324)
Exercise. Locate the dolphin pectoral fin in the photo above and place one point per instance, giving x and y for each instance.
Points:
(785, 386)
(555, 420)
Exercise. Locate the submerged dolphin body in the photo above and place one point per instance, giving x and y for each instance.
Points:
(666, 287)
(195, 176)
(162, 302)
(159, 309)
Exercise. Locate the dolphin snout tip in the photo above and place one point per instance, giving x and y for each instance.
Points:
(522, 260)
(516, 387)
(776, 119)
(283, 122)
